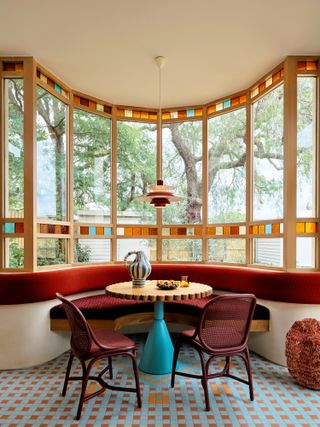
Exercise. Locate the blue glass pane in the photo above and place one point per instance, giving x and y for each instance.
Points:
(227, 103)
(107, 231)
(57, 88)
(190, 113)
(268, 228)
(9, 227)
(92, 231)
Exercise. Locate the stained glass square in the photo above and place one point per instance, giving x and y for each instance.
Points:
(268, 229)
(100, 107)
(227, 103)
(107, 231)
(190, 113)
(92, 231)
(9, 227)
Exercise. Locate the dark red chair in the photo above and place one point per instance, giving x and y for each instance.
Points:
(89, 346)
(222, 331)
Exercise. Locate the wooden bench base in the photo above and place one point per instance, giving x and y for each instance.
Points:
(258, 325)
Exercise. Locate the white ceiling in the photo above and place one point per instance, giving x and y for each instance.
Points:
(106, 48)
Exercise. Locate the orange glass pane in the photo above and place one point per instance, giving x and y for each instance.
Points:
(198, 112)
(136, 231)
(261, 229)
(275, 228)
(152, 116)
(43, 228)
(92, 104)
(282, 73)
(144, 115)
(84, 230)
(234, 230)
(235, 101)
(211, 231)
(57, 229)
(128, 231)
(136, 114)
(182, 114)
(76, 99)
(226, 230)
(145, 231)
(165, 116)
(50, 82)
(173, 231)
(99, 231)
(243, 99)
(301, 65)
(262, 86)
(276, 77)
(120, 113)
(300, 227)
(153, 232)
(198, 231)
(312, 65)
(255, 229)
(211, 109)
(311, 227)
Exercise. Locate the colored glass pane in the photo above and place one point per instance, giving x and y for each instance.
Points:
(300, 227)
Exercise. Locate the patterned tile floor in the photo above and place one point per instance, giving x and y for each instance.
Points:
(31, 397)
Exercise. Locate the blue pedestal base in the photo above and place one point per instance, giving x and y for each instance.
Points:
(158, 350)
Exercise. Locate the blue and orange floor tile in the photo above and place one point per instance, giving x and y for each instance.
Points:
(32, 397)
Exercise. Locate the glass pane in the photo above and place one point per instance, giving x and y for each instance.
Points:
(148, 246)
(92, 250)
(51, 251)
(182, 168)
(14, 148)
(227, 250)
(306, 252)
(181, 250)
(306, 156)
(136, 170)
(51, 156)
(227, 167)
(268, 156)
(91, 167)
(14, 252)
(268, 251)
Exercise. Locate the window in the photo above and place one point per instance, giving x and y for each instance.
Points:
(227, 250)
(91, 168)
(182, 168)
(51, 156)
(136, 170)
(226, 167)
(268, 156)
(14, 148)
(306, 252)
(92, 250)
(306, 153)
(181, 250)
(148, 246)
(51, 251)
(268, 251)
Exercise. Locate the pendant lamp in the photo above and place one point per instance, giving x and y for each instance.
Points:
(160, 195)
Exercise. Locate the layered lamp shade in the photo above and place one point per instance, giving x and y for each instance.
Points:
(160, 195)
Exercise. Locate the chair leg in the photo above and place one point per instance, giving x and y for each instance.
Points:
(177, 348)
(248, 366)
(110, 368)
(136, 377)
(85, 378)
(226, 369)
(66, 378)
(204, 381)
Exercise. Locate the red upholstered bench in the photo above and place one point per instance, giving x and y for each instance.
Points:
(107, 311)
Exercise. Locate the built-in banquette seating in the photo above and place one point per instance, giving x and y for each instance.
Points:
(33, 329)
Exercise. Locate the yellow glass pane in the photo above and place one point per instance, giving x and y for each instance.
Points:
(311, 65)
(255, 229)
(173, 231)
(165, 116)
(261, 229)
(311, 227)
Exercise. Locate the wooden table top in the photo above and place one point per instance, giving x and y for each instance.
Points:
(150, 292)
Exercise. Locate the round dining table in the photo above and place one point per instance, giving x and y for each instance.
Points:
(158, 350)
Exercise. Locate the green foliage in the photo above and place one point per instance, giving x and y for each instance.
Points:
(82, 253)
(16, 254)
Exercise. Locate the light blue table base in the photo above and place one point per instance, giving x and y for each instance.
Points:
(158, 350)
